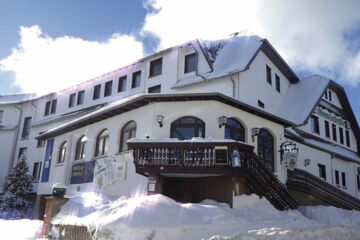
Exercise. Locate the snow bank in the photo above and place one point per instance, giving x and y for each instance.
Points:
(158, 217)
(23, 229)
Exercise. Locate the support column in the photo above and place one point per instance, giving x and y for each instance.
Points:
(52, 207)
(155, 184)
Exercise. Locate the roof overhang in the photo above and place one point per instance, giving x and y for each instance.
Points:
(145, 99)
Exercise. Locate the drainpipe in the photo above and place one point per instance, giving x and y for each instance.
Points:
(14, 145)
(233, 83)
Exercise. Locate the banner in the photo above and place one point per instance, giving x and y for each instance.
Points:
(107, 173)
(47, 161)
(82, 172)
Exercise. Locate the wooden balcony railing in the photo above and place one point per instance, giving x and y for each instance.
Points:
(174, 156)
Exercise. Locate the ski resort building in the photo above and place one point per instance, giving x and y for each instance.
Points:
(205, 119)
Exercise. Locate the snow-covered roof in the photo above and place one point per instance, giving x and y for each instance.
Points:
(301, 98)
(15, 98)
(324, 145)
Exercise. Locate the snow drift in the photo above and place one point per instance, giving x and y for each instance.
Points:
(158, 217)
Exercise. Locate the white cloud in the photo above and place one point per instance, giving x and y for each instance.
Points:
(310, 35)
(43, 64)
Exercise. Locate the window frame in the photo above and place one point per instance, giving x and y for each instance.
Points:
(103, 135)
(262, 143)
(134, 83)
(97, 92)
(337, 178)
(22, 150)
(187, 59)
(234, 129)
(80, 97)
(347, 138)
(36, 171)
(122, 83)
(151, 89)
(80, 150)
(47, 108)
(277, 83)
(131, 134)
(327, 128)
(315, 128)
(153, 65)
(197, 124)
(322, 171)
(334, 132)
(108, 88)
(53, 106)
(268, 75)
(61, 153)
(343, 179)
(26, 128)
(72, 99)
(1, 115)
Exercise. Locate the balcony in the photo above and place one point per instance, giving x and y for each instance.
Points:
(209, 157)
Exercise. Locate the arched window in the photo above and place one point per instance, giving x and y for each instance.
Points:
(234, 130)
(102, 142)
(80, 148)
(266, 148)
(187, 128)
(62, 152)
(127, 132)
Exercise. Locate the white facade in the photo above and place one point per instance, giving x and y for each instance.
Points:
(247, 84)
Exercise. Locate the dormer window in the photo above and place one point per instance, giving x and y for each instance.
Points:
(72, 100)
(50, 107)
(155, 67)
(190, 63)
(108, 89)
(80, 98)
(136, 79)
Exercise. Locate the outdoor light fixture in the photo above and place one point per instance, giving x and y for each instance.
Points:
(254, 133)
(222, 121)
(307, 162)
(160, 119)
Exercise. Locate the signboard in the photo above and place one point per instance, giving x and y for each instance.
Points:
(109, 172)
(290, 159)
(221, 155)
(330, 117)
(47, 161)
(82, 172)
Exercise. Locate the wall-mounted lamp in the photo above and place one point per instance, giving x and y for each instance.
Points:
(307, 162)
(160, 119)
(222, 121)
(254, 132)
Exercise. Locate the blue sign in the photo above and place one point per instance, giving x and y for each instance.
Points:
(47, 162)
(82, 172)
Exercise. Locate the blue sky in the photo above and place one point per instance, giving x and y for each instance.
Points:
(104, 35)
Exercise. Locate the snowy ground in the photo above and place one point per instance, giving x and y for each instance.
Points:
(23, 229)
(158, 218)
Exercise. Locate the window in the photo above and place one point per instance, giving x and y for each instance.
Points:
(155, 89)
(347, 135)
(327, 129)
(155, 67)
(80, 148)
(315, 124)
(261, 104)
(36, 171)
(1, 115)
(80, 98)
(358, 179)
(53, 106)
(343, 178)
(108, 89)
(127, 132)
(266, 148)
(72, 100)
(325, 95)
(330, 98)
(47, 108)
(190, 63)
(97, 90)
(268, 75)
(341, 134)
(122, 84)
(102, 142)
(22, 151)
(62, 152)
(40, 143)
(187, 128)
(26, 128)
(234, 130)
(337, 179)
(322, 171)
(277, 79)
(334, 132)
(136, 79)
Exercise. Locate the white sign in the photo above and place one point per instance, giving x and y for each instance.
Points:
(290, 159)
(107, 173)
